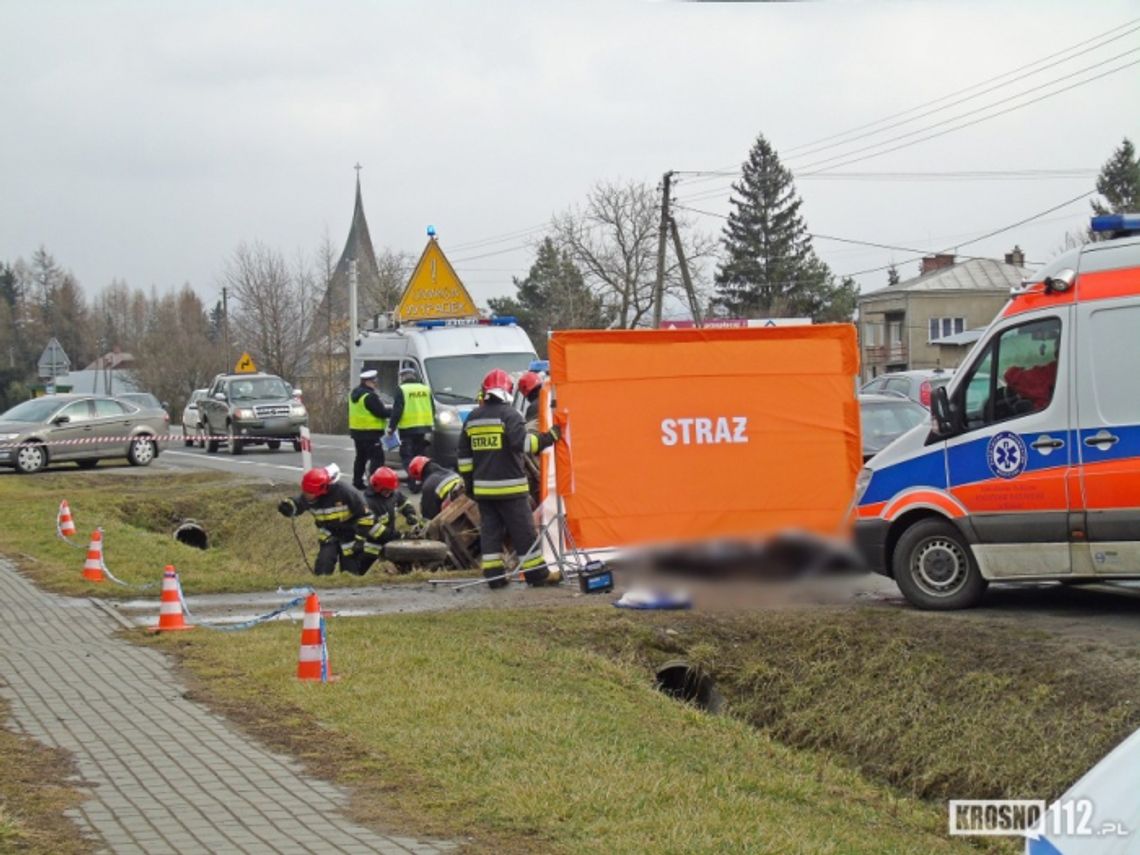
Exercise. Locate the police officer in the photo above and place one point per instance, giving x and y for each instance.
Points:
(385, 500)
(342, 519)
(440, 485)
(367, 419)
(491, 448)
(413, 415)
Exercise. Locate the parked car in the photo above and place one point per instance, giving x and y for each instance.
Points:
(248, 409)
(83, 428)
(917, 385)
(885, 418)
(190, 419)
(144, 401)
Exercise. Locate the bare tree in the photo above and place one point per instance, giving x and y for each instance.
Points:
(175, 355)
(394, 268)
(613, 239)
(273, 306)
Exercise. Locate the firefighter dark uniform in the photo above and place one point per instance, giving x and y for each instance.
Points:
(384, 501)
(441, 485)
(367, 421)
(343, 521)
(413, 416)
(491, 448)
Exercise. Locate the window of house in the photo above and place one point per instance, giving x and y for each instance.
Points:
(872, 335)
(942, 327)
(894, 331)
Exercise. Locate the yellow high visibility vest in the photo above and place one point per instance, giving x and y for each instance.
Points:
(417, 406)
(359, 418)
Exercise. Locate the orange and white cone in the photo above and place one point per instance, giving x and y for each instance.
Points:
(170, 604)
(93, 566)
(63, 521)
(313, 663)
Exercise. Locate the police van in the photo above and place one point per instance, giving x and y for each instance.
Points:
(452, 357)
(1030, 467)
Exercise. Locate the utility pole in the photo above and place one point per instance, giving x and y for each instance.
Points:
(226, 326)
(694, 304)
(659, 286)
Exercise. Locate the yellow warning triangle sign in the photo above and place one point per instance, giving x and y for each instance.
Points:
(245, 365)
(434, 290)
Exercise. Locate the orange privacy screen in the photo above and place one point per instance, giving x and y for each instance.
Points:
(680, 435)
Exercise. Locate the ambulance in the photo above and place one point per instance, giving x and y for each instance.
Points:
(1030, 467)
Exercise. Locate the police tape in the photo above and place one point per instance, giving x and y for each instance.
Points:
(231, 627)
(154, 437)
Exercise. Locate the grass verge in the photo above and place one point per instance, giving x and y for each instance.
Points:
(252, 547)
(540, 731)
(34, 793)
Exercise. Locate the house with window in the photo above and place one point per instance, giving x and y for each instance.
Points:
(902, 326)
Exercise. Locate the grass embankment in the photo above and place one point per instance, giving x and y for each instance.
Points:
(34, 793)
(502, 726)
(252, 547)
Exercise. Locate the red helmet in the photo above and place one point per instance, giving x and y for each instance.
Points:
(416, 468)
(498, 384)
(315, 482)
(528, 383)
(384, 479)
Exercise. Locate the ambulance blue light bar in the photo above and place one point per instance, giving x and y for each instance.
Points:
(1116, 223)
(540, 365)
(503, 320)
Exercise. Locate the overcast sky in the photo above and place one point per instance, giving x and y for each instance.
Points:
(144, 141)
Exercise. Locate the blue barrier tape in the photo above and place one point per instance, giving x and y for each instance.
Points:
(297, 601)
(324, 652)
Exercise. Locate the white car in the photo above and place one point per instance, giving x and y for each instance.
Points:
(190, 419)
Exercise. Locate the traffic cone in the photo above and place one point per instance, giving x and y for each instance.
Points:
(313, 663)
(63, 521)
(170, 604)
(93, 566)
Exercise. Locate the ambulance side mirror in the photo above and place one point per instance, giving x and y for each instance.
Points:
(941, 422)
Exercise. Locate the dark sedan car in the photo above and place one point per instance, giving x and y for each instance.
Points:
(83, 428)
(885, 418)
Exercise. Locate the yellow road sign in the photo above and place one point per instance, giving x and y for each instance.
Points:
(434, 290)
(245, 365)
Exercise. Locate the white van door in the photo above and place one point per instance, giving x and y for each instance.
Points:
(1108, 406)
(1010, 464)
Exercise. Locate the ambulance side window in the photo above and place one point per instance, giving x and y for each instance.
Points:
(1026, 358)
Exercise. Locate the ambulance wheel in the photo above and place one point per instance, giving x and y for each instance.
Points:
(934, 568)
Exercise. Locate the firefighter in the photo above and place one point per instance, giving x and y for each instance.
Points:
(367, 420)
(530, 384)
(385, 500)
(441, 486)
(342, 519)
(491, 449)
(413, 416)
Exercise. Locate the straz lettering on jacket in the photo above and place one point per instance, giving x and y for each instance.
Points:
(722, 430)
(486, 437)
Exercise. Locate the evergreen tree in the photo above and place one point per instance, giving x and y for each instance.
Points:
(1119, 182)
(552, 296)
(770, 267)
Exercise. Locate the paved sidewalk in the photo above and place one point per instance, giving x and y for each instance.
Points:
(166, 775)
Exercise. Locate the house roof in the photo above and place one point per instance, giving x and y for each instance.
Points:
(980, 275)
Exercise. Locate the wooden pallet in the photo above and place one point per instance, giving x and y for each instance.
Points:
(458, 526)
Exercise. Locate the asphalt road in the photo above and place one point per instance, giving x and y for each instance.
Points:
(258, 460)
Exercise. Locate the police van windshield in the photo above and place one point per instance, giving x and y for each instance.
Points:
(456, 379)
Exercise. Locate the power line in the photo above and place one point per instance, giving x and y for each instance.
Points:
(711, 175)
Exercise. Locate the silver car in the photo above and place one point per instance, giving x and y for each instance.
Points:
(191, 425)
(83, 428)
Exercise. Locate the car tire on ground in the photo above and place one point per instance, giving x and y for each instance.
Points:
(141, 451)
(296, 445)
(31, 457)
(211, 443)
(187, 437)
(233, 440)
(273, 444)
(89, 463)
(407, 554)
(935, 569)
